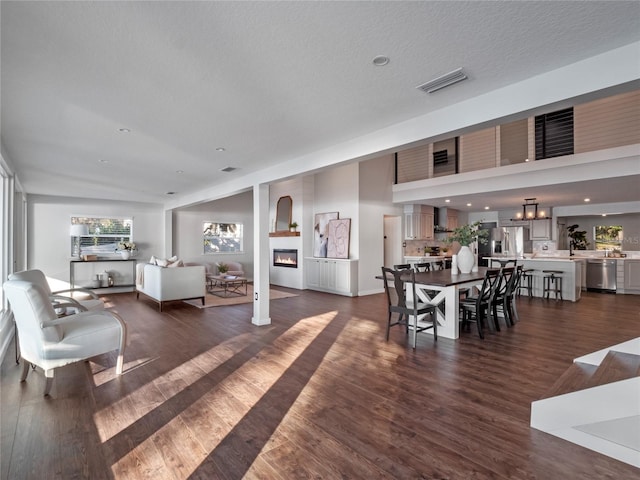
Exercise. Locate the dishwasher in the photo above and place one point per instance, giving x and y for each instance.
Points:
(601, 275)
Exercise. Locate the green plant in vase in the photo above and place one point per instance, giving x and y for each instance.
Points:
(222, 268)
(465, 235)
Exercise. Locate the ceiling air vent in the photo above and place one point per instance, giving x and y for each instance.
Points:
(443, 81)
(228, 169)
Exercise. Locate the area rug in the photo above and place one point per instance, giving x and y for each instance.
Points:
(211, 300)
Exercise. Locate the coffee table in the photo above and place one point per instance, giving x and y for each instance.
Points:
(226, 285)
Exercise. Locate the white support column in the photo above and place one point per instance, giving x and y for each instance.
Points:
(261, 255)
(168, 234)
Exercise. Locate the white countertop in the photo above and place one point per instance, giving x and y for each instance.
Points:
(537, 259)
(558, 258)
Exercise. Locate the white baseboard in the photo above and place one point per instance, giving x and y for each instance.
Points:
(362, 293)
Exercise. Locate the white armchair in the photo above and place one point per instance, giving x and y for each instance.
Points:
(62, 299)
(49, 342)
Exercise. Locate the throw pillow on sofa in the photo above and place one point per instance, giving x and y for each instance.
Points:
(166, 262)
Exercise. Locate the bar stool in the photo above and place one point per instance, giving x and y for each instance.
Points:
(526, 282)
(552, 277)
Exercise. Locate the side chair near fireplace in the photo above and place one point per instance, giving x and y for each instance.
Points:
(49, 342)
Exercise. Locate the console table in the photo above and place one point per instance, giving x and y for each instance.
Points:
(82, 273)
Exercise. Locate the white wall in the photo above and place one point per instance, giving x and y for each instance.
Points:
(283, 276)
(376, 178)
(336, 190)
(48, 221)
(187, 230)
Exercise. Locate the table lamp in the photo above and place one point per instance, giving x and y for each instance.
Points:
(77, 231)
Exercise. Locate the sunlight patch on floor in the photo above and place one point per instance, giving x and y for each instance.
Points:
(211, 417)
(149, 396)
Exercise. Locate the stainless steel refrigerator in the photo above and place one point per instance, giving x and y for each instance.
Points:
(512, 242)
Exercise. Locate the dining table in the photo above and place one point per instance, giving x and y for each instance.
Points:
(441, 288)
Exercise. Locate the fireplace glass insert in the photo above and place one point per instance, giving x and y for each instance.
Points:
(285, 258)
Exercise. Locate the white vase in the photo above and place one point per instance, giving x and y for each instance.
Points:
(125, 254)
(465, 259)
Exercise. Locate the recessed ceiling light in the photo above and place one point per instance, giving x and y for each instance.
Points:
(221, 149)
(380, 61)
(604, 214)
(124, 130)
(228, 169)
(171, 193)
(587, 199)
(447, 201)
(102, 160)
(468, 204)
(486, 208)
(526, 159)
(179, 171)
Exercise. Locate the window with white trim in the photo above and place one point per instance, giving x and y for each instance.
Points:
(5, 214)
(222, 237)
(102, 235)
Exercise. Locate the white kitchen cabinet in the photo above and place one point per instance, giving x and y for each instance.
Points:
(452, 220)
(540, 229)
(628, 276)
(332, 275)
(447, 219)
(631, 276)
(418, 222)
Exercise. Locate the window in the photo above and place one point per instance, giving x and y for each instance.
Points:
(608, 237)
(222, 237)
(554, 134)
(5, 232)
(445, 157)
(103, 235)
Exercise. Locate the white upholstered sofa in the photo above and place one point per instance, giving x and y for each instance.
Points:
(164, 284)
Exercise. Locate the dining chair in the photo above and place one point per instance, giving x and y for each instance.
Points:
(49, 342)
(423, 267)
(503, 296)
(407, 305)
(402, 266)
(477, 308)
(502, 262)
(512, 293)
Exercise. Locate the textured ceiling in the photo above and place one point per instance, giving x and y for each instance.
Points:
(268, 81)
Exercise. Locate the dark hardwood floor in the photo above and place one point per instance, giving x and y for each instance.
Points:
(317, 394)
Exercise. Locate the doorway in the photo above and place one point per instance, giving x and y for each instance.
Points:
(392, 240)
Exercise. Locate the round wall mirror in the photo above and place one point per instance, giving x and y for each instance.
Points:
(283, 213)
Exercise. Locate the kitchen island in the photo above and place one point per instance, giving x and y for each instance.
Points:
(413, 259)
(571, 268)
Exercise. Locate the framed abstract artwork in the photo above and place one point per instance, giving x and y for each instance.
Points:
(321, 233)
(339, 233)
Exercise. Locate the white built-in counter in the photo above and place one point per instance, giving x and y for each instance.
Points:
(332, 275)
